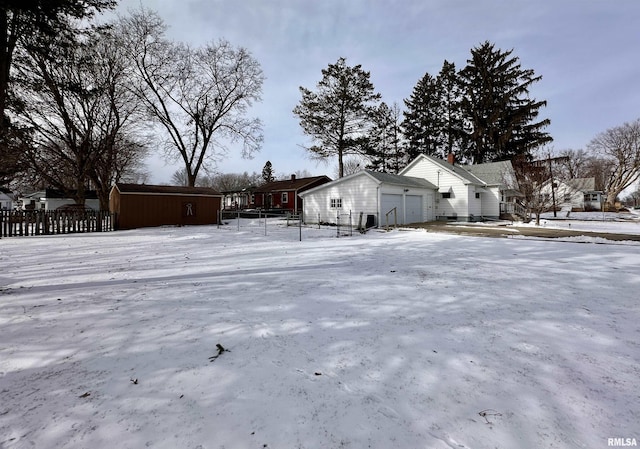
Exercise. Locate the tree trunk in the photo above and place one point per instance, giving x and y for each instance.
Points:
(611, 199)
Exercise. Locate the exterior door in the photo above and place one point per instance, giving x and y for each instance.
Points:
(413, 209)
(429, 215)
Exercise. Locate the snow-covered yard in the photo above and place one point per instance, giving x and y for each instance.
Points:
(404, 339)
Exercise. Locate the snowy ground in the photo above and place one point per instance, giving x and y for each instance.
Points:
(622, 223)
(404, 339)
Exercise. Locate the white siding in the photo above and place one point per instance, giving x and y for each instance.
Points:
(6, 203)
(475, 204)
(361, 193)
(358, 194)
(457, 205)
(490, 202)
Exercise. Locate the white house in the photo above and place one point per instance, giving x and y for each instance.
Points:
(578, 194)
(462, 195)
(501, 175)
(51, 199)
(382, 198)
(6, 201)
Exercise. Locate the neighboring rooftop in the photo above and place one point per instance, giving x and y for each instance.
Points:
(149, 188)
(293, 183)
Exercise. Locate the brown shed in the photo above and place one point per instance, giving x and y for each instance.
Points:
(141, 205)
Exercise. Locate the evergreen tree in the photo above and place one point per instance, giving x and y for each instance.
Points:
(267, 172)
(450, 114)
(422, 124)
(338, 115)
(497, 104)
(386, 152)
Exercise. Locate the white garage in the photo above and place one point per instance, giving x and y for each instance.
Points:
(381, 198)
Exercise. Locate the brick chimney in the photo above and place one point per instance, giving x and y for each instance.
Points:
(293, 177)
(451, 158)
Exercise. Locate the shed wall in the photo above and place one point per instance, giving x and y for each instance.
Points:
(147, 210)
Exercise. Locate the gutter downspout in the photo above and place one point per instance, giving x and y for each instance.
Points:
(378, 202)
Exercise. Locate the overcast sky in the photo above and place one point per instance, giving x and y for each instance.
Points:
(587, 52)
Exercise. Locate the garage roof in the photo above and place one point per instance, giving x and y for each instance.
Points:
(380, 178)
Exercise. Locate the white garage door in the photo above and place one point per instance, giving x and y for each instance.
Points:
(389, 201)
(413, 210)
(412, 213)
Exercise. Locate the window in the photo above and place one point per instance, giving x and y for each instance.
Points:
(253, 199)
(285, 197)
(446, 194)
(588, 197)
(336, 203)
(567, 197)
(477, 195)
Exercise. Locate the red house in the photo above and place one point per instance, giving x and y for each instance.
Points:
(283, 195)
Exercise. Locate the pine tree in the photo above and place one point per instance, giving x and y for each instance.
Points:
(451, 118)
(421, 124)
(267, 172)
(497, 104)
(338, 115)
(386, 151)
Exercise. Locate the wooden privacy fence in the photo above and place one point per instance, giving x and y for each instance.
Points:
(48, 222)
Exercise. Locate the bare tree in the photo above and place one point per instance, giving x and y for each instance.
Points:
(572, 164)
(619, 147)
(304, 173)
(532, 176)
(199, 96)
(229, 182)
(180, 178)
(82, 116)
(350, 166)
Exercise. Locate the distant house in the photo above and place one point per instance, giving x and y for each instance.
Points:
(6, 200)
(141, 205)
(577, 195)
(238, 198)
(381, 198)
(51, 199)
(284, 195)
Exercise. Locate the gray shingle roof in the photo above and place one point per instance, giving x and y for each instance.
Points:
(494, 173)
(406, 181)
(582, 184)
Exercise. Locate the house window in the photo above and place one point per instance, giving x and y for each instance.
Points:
(336, 203)
(285, 197)
(567, 197)
(446, 194)
(588, 197)
(253, 199)
(477, 195)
